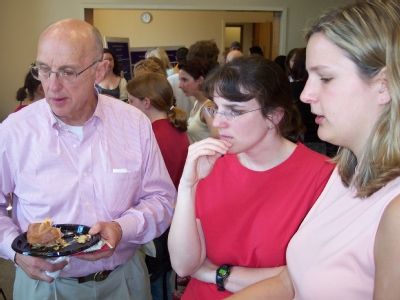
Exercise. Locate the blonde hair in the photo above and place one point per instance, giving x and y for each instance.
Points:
(156, 87)
(160, 54)
(148, 66)
(369, 35)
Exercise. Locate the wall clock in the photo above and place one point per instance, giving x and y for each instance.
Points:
(146, 17)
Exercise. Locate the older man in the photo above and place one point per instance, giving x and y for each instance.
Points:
(233, 55)
(82, 158)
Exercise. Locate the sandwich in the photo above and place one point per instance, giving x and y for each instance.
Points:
(43, 234)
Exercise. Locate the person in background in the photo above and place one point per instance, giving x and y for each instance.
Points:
(256, 50)
(113, 84)
(93, 161)
(148, 66)
(348, 245)
(280, 60)
(233, 55)
(191, 75)
(163, 56)
(289, 63)
(153, 95)
(180, 56)
(206, 49)
(223, 57)
(300, 76)
(236, 46)
(225, 234)
(30, 92)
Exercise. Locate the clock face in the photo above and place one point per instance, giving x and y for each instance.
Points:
(146, 17)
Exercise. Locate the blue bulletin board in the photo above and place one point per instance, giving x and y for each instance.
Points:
(120, 47)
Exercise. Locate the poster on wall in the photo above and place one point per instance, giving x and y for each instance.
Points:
(120, 47)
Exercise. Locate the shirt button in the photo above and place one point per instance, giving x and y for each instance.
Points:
(85, 174)
(74, 146)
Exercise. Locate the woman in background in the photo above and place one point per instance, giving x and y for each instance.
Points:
(30, 92)
(191, 77)
(153, 95)
(113, 84)
(163, 56)
(348, 245)
(148, 66)
(290, 57)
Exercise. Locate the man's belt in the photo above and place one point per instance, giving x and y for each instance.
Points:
(98, 276)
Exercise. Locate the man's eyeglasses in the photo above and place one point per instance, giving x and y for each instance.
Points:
(42, 73)
(227, 115)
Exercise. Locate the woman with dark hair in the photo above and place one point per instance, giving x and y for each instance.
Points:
(30, 92)
(290, 57)
(191, 77)
(113, 84)
(348, 245)
(243, 196)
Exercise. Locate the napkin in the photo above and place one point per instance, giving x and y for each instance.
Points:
(60, 259)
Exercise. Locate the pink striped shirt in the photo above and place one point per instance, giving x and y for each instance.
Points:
(116, 173)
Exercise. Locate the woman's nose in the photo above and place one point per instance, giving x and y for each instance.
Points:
(308, 95)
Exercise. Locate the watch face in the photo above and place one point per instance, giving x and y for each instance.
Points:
(222, 272)
(146, 17)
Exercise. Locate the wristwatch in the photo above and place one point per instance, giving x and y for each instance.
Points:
(222, 273)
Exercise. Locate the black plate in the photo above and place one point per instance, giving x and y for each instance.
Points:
(21, 245)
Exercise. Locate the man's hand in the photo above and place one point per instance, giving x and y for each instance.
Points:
(36, 267)
(111, 232)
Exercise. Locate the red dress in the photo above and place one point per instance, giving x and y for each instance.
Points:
(248, 217)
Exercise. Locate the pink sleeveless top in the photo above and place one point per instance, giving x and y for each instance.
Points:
(332, 254)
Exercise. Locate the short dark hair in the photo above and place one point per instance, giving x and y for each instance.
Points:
(255, 77)
(256, 50)
(116, 69)
(181, 53)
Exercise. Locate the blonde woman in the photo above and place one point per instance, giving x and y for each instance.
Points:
(163, 56)
(348, 245)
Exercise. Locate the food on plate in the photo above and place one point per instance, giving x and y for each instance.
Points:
(42, 234)
(83, 238)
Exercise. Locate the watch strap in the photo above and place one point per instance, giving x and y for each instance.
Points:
(221, 274)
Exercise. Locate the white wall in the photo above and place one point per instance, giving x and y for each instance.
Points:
(22, 21)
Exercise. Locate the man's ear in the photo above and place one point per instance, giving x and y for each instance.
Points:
(101, 71)
(384, 95)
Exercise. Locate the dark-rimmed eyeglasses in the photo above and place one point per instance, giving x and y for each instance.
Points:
(227, 115)
(43, 73)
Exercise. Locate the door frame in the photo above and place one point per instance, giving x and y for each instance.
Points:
(282, 10)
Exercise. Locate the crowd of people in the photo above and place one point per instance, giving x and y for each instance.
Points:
(250, 178)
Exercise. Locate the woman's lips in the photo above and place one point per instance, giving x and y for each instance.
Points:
(319, 119)
(225, 138)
